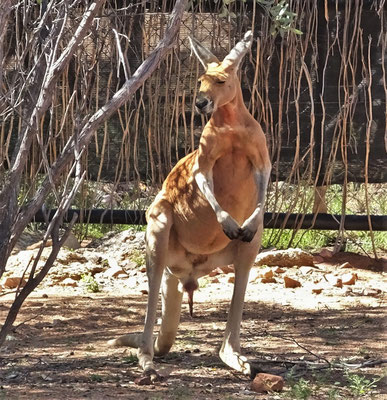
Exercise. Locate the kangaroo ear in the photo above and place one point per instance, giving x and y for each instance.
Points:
(236, 54)
(204, 55)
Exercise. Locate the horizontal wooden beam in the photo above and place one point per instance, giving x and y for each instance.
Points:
(271, 220)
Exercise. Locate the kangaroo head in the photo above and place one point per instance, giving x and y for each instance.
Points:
(219, 84)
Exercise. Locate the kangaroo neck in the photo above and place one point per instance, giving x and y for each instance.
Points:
(233, 113)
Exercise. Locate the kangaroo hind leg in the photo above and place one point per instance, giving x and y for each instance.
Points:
(157, 241)
(230, 352)
(171, 297)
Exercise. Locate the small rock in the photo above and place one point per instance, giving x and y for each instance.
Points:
(263, 383)
(12, 375)
(268, 280)
(278, 270)
(345, 265)
(372, 292)
(318, 259)
(132, 282)
(143, 288)
(143, 380)
(113, 272)
(37, 245)
(14, 282)
(130, 264)
(215, 272)
(72, 242)
(69, 282)
(58, 322)
(267, 274)
(68, 258)
(325, 253)
(284, 258)
(349, 279)
(291, 283)
(334, 280)
(227, 269)
(254, 275)
(317, 290)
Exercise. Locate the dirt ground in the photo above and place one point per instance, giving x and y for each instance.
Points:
(58, 348)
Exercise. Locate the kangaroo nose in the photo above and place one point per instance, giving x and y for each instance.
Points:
(201, 102)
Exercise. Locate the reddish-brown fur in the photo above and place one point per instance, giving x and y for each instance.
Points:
(209, 212)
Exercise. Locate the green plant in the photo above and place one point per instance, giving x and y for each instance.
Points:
(138, 257)
(360, 385)
(95, 378)
(204, 281)
(300, 390)
(130, 359)
(333, 393)
(90, 283)
(282, 18)
(180, 392)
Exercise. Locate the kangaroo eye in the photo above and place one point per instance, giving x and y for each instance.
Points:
(220, 82)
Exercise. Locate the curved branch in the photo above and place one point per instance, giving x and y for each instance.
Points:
(120, 97)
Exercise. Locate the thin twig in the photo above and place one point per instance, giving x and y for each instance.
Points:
(290, 339)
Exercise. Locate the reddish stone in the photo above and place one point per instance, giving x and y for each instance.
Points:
(263, 383)
(14, 282)
(291, 283)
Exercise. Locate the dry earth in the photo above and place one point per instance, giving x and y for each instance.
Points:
(58, 348)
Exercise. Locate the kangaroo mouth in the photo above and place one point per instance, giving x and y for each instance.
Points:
(208, 109)
(204, 106)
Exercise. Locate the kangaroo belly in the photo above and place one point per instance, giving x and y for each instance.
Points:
(194, 220)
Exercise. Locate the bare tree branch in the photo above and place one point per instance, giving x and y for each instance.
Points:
(12, 220)
(43, 87)
(100, 116)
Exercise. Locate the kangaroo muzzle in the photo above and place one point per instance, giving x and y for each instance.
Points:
(204, 105)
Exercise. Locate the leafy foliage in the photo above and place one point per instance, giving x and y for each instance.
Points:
(282, 18)
(90, 283)
(360, 385)
(301, 390)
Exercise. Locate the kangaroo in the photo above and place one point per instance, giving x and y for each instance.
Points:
(209, 213)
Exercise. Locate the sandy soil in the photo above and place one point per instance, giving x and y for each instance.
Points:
(58, 348)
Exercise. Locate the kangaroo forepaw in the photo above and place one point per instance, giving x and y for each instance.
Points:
(231, 234)
(229, 225)
(246, 235)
